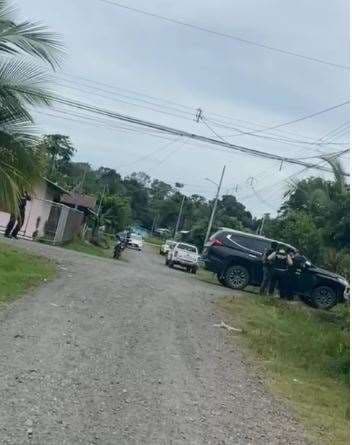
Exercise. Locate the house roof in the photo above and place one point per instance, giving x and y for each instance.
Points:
(79, 200)
(55, 186)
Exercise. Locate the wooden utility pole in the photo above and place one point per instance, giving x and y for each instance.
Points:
(211, 220)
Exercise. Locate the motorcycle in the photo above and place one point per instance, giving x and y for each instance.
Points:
(119, 247)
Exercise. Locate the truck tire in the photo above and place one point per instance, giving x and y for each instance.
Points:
(323, 297)
(194, 270)
(236, 277)
(171, 264)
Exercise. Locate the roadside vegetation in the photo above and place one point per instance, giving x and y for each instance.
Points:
(21, 271)
(83, 246)
(154, 240)
(305, 355)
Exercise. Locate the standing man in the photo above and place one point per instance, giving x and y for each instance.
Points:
(267, 268)
(279, 272)
(9, 233)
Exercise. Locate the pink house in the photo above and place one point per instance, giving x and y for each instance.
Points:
(45, 216)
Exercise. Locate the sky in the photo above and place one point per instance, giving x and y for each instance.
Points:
(163, 72)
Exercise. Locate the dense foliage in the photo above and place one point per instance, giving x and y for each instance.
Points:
(314, 215)
(315, 218)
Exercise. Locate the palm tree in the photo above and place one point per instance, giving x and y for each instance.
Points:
(26, 49)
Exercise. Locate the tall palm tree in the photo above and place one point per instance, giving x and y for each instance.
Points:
(27, 53)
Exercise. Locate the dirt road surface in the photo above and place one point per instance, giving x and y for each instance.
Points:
(126, 353)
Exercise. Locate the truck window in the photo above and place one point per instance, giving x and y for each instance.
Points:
(248, 243)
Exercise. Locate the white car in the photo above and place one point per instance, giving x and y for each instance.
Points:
(135, 241)
(184, 255)
(169, 244)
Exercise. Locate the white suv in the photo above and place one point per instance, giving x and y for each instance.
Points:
(185, 255)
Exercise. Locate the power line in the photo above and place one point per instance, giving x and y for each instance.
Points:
(309, 116)
(175, 104)
(286, 140)
(228, 36)
(176, 132)
(305, 157)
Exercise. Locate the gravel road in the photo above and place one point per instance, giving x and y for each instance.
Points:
(126, 353)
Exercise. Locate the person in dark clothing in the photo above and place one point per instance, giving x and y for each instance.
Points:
(279, 272)
(267, 268)
(16, 221)
(290, 275)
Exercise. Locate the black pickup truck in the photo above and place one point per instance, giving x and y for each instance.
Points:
(236, 258)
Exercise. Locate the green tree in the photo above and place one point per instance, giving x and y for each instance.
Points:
(60, 151)
(116, 211)
(23, 78)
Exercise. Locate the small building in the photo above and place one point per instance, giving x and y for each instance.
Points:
(45, 216)
(84, 203)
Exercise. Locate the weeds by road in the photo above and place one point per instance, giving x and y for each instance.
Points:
(154, 240)
(86, 247)
(20, 271)
(306, 355)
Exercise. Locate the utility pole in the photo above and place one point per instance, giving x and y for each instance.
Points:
(214, 206)
(179, 216)
(265, 216)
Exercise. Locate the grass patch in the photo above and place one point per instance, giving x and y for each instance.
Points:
(20, 271)
(306, 355)
(86, 247)
(154, 240)
(207, 277)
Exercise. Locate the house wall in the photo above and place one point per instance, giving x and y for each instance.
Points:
(39, 206)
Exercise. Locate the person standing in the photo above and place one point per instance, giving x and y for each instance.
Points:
(290, 278)
(16, 221)
(267, 268)
(279, 272)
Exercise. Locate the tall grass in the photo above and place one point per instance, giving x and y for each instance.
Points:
(306, 355)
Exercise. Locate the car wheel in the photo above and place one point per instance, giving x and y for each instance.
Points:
(221, 278)
(323, 297)
(171, 264)
(236, 277)
(166, 262)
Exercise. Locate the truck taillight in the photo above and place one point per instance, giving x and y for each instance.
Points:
(217, 243)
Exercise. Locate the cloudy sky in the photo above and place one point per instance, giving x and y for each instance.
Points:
(162, 72)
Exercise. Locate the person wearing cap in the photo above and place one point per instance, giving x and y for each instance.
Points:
(267, 268)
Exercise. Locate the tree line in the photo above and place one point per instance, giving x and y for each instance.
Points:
(314, 214)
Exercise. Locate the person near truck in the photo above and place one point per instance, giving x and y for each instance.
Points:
(279, 260)
(267, 268)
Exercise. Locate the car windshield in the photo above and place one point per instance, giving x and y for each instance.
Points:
(134, 236)
(187, 247)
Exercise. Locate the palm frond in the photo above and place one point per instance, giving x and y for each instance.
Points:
(21, 165)
(27, 37)
(21, 84)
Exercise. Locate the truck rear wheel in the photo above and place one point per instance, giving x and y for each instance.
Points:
(236, 277)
